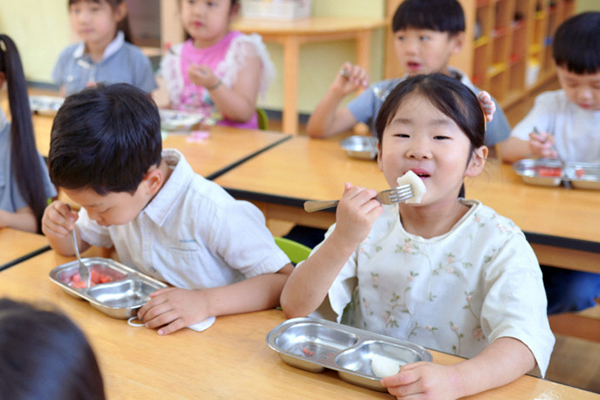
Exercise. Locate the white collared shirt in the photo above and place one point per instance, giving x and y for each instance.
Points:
(192, 234)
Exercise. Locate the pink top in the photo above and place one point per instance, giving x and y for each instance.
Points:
(197, 98)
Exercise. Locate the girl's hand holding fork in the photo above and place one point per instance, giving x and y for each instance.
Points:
(202, 75)
(541, 145)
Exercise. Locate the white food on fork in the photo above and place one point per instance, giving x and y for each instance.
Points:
(418, 187)
(383, 367)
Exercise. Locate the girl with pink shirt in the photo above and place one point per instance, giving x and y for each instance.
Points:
(204, 74)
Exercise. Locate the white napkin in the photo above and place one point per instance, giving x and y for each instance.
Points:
(198, 327)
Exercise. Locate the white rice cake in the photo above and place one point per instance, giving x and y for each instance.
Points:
(383, 367)
(417, 185)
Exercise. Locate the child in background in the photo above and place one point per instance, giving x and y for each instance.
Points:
(567, 122)
(106, 53)
(161, 217)
(449, 274)
(45, 356)
(217, 72)
(427, 33)
(24, 183)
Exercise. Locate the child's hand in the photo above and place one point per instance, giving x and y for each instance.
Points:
(172, 309)
(424, 380)
(541, 145)
(58, 220)
(356, 213)
(202, 75)
(488, 106)
(350, 78)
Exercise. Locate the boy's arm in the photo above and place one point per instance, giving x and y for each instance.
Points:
(502, 362)
(309, 283)
(174, 308)
(328, 119)
(514, 149)
(57, 223)
(23, 219)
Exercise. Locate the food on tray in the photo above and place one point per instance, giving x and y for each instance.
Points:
(579, 172)
(383, 367)
(417, 186)
(96, 278)
(308, 352)
(553, 172)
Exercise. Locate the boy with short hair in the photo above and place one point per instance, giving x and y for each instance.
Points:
(567, 122)
(161, 217)
(427, 33)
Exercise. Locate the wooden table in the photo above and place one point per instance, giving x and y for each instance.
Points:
(562, 225)
(17, 246)
(293, 34)
(225, 148)
(229, 360)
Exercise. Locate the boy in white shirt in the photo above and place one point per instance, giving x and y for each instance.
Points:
(162, 218)
(566, 122)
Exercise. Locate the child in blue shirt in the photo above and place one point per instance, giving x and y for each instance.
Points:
(24, 183)
(106, 53)
(162, 218)
(567, 122)
(427, 33)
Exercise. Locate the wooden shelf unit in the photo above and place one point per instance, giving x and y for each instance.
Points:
(509, 47)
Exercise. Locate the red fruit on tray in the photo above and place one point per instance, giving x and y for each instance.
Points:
(579, 173)
(549, 172)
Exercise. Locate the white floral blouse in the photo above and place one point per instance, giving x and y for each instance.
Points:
(454, 293)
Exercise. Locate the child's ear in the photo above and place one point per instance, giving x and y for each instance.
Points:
(153, 181)
(234, 11)
(120, 11)
(477, 161)
(457, 42)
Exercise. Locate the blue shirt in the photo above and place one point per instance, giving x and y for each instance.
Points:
(122, 63)
(365, 107)
(10, 197)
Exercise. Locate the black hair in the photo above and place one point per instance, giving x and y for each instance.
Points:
(25, 164)
(123, 25)
(436, 15)
(45, 356)
(105, 138)
(576, 43)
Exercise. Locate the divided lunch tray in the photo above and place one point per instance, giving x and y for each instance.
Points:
(45, 105)
(174, 120)
(315, 344)
(358, 146)
(120, 298)
(546, 172)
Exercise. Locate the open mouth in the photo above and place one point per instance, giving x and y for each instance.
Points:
(421, 173)
(413, 65)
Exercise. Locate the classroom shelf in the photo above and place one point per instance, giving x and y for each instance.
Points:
(513, 40)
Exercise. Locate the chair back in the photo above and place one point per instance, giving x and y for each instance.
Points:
(295, 251)
(263, 119)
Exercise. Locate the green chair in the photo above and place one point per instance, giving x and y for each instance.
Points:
(263, 119)
(295, 251)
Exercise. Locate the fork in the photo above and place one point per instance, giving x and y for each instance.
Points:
(84, 271)
(389, 196)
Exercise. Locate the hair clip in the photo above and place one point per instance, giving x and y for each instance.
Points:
(2, 45)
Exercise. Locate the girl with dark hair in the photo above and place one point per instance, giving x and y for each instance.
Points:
(445, 272)
(45, 356)
(24, 183)
(106, 53)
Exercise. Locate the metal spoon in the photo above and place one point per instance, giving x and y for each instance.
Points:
(84, 271)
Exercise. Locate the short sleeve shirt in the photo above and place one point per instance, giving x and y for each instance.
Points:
(192, 234)
(576, 130)
(454, 293)
(365, 107)
(10, 197)
(123, 62)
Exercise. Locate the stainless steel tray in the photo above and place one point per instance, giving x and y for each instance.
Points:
(45, 105)
(358, 146)
(315, 344)
(174, 120)
(545, 172)
(120, 298)
(583, 175)
(542, 172)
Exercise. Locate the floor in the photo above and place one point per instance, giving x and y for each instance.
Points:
(575, 362)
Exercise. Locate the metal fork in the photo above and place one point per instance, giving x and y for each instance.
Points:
(84, 271)
(389, 196)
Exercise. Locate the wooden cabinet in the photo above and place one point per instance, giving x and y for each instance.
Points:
(508, 51)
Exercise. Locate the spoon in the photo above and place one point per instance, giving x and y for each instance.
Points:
(84, 271)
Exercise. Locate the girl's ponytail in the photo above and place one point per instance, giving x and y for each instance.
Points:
(24, 158)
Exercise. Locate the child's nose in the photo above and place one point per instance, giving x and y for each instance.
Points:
(418, 149)
(585, 93)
